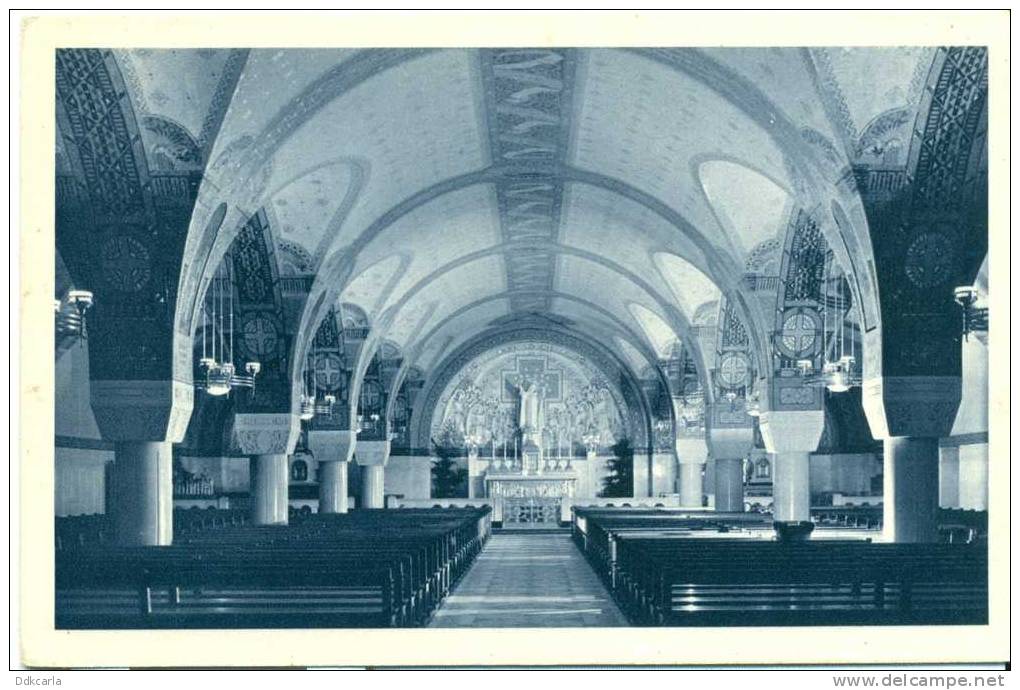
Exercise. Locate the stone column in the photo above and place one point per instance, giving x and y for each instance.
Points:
(141, 482)
(371, 457)
(791, 435)
(729, 447)
(691, 454)
(729, 485)
(269, 489)
(910, 414)
(332, 449)
(268, 439)
(910, 489)
(333, 487)
(143, 419)
(949, 476)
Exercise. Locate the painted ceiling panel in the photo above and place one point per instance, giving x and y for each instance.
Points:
(154, 79)
(745, 201)
(461, 328)
(301, 208)
(602, 286)
(658, 332)
(872, 80)
(597, 221)
(410, 127)
(461, 286)
(271, 79)
(690, 287)
(438, 233)
(584, 318)
(783, 75)
(369, 287)
(646, 123)
(634, 358)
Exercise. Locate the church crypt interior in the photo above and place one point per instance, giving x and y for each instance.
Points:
(521, 337)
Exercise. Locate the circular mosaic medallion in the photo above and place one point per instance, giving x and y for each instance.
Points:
(125, 263)
(329, 371)
(930, 259)
(260, 337)
(799, 334)
(734, 370)
(371, 395)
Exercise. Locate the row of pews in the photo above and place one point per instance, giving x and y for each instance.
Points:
(700, 568)
(368, 568)
(955, 525)
(88, 531)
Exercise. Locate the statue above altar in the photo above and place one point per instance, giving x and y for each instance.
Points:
(530, 417)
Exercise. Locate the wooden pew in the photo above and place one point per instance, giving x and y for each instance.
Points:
(88, 531)
(364, 569)
(594, 530)
(686, 568)
(669, 581)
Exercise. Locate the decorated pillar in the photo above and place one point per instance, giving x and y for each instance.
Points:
(792, 435)
(692, 454)
(332, 449)
(730, 430)
(143, 419)
(268, 439)
(729, 446)
(371, 457)
(910, 414)
(122, 238)
(928, 227)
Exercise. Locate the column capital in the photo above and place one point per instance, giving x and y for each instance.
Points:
(733, 443)
(332, 445)
(692, 450)
(728, 415)
(915, 406)
(265, 433)
(142, 410)
(791, 394)
(789, 431)
(372, 453)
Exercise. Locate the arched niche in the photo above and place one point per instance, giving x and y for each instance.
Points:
(578, 397)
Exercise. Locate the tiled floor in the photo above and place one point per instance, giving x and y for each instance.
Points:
(529, 581)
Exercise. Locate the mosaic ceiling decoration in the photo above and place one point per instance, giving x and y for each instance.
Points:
(527, 95)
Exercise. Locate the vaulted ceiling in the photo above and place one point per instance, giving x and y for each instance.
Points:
(612, 191)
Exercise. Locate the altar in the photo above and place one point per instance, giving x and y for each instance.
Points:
(531, 420)
(531, 500)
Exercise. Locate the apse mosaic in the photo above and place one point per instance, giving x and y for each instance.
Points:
(574, 398)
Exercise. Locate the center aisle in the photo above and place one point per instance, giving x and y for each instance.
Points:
(529, 581)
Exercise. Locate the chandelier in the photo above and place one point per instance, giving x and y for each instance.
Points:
(839, 372)
(975, 318)
(220, 376)
(754, 405)
(372, 418)
(306, 407)
(310, 404)
(72, 321)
